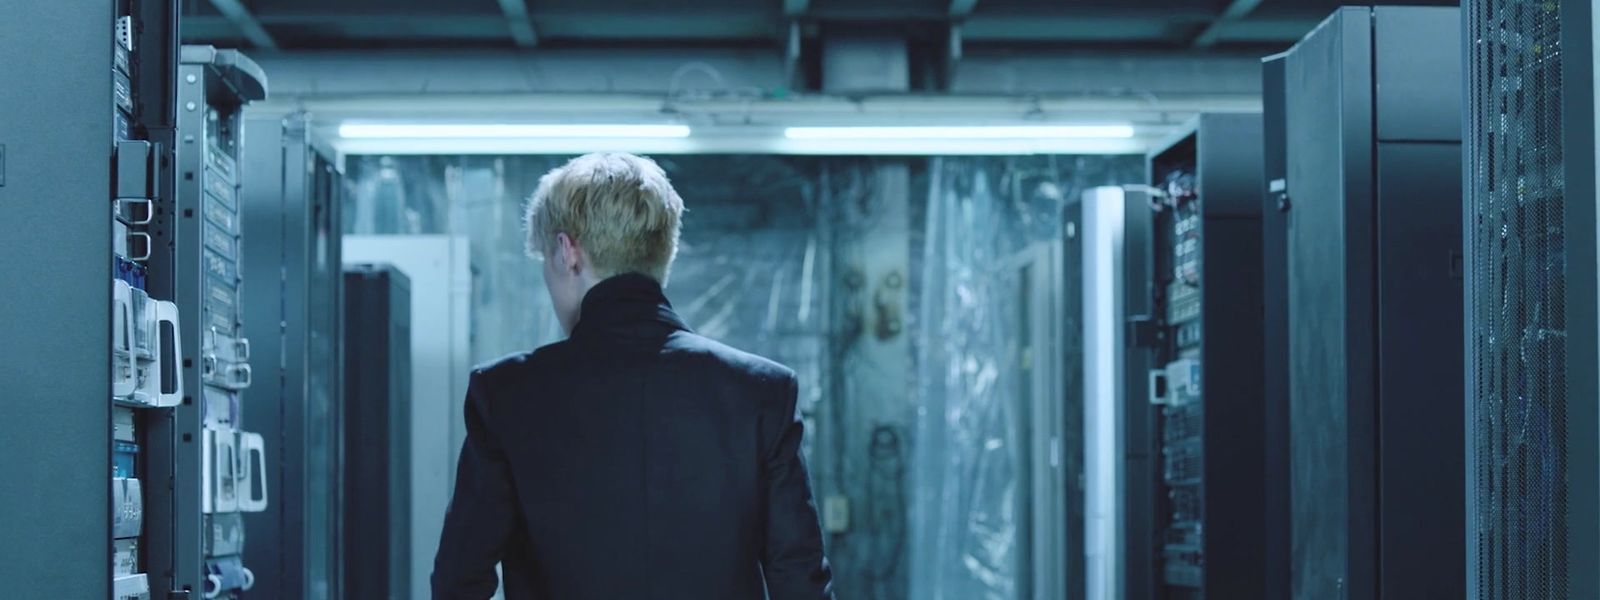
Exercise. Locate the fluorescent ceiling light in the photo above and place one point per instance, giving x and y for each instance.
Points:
(505, 131)
(769, 143)
(1005, 132)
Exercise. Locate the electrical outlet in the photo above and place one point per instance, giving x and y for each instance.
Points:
(836, 513)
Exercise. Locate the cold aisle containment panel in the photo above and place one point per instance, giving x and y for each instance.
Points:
(290, 208)
(1203, 335)
(1371, 110)
(377, 433)
(1533, 430)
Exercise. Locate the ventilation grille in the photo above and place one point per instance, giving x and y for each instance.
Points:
(1517, 300)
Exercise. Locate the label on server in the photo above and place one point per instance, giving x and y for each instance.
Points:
(220, 241)
(124, 557)
(219, 215)
(124, 457)
(1189, 334)
(1183, 302)
(227, 534)
(121, 59)
(221, 162)
(220, 303)
(220, 188)
(122, 424)
(219, 320)
(122, 92)
(219, 266)
(120, 124)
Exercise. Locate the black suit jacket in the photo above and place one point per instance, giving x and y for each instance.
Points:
(635, 460)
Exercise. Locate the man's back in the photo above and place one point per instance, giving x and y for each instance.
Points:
(634, 460)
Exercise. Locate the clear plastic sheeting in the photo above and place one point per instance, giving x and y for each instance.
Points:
(881, 281)
(972, 534)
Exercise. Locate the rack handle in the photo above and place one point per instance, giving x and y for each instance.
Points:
(167, 316)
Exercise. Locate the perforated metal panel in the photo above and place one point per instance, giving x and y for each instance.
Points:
(1517, 301)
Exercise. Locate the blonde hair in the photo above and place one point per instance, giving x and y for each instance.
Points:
(620, 207)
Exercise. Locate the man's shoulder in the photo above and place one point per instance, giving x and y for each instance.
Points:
(516, 362)
(754, 365)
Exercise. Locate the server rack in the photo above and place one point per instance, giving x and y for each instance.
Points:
(377, 432)
(290, 204)
(1205, 340)
(1532, 444)
(83, 92)
(1372, 135)
(215, 465)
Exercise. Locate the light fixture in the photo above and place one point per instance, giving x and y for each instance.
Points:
(506, 131)
(1001, 132)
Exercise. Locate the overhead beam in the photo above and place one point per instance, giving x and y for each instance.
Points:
(961, 8)
(240, 16)
(1237, 9)
(520, 24)
(467, 74)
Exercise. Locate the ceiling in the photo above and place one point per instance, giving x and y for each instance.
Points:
(1239, 25)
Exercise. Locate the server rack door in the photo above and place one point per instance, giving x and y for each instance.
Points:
(324, 369)
(1371, 247)
(1417, 77)
(1419, 413)
(56, 95)
(1229, 167)
(1275, 334)
(1328, 107)
(1531, 338)
(273, 402)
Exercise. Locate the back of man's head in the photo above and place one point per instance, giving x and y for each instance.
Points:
(620, 207)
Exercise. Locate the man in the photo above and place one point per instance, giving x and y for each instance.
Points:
(634, 460)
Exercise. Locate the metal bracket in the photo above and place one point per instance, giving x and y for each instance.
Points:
(1144, 331)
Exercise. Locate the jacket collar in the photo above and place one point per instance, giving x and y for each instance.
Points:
(629, 305)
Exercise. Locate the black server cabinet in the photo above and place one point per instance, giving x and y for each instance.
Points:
(290, 206)
(1274, 334)
(1533, 432)
(1205, 341)
(1372, 101)
(377, 432)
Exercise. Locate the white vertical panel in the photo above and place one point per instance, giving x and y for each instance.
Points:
(1102, 301)
(440, 271)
